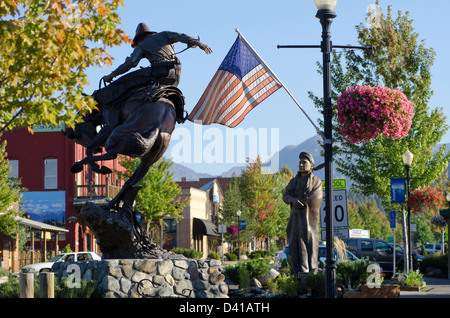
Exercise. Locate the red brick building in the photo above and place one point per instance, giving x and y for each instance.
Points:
(42, 161)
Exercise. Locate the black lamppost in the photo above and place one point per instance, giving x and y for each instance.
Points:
(239, 234)
(407, 161)
(326, 15)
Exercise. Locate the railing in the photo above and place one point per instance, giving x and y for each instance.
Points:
(91, 191)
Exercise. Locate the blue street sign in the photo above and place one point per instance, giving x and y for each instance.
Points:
(242, 225)
(393, 219)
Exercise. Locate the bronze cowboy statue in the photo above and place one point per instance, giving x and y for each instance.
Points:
(138, 113)
(139, 110)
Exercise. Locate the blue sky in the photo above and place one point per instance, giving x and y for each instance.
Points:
(265, 25)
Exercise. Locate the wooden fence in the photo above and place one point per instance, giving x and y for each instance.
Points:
(27, 257)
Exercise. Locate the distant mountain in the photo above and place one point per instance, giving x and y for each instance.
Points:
(179, 171)
(288, 156)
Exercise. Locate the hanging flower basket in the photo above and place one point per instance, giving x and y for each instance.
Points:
(364, 112)
(439, 221)
(233, 230)
(425, 200)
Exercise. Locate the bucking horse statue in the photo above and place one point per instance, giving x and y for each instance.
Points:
(138, 113)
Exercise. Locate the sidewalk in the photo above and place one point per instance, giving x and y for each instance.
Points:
(435, 288)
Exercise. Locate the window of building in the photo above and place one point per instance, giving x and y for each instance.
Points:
(14, 172)
(50, 174)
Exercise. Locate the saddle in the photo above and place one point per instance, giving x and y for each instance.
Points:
(161, 73)
(148, 84)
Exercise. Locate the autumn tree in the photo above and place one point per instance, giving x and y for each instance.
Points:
(398, 60)
(46, 49)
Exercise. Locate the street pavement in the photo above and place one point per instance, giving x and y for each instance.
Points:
(435, 288)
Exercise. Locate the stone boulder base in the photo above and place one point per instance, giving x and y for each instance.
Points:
(149, 278)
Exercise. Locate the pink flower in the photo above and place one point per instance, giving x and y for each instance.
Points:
(364, 112)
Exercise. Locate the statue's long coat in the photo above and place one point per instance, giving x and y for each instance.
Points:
(303, 226)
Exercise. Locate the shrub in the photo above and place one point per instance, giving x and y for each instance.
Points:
(231, 256)
(437, 261)
(414, 279)
(88, 289)
(238, 274)
(316, 281)
(260, 254)
(285, 284)
(352, 275)
(258, 267)
(214, 255)
(189, 253)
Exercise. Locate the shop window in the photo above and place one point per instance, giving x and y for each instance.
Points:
(50, 174)
(14, 172)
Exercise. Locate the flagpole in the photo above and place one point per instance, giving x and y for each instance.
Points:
(278, 80)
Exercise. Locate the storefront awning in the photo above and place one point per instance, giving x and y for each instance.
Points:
(204, 227)
(39, 226)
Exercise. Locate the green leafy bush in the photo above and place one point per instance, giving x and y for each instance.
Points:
(189, 253)
(285, 284)
(436, 261)
(260, 254)
(414, 279)
(214, 255)
(352, 275)
(238, 274)
(316, 281)
(88, 289)
(258, 267)
(231, 256)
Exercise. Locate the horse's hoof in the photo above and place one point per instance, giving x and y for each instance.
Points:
(105, 170)
(76, 167)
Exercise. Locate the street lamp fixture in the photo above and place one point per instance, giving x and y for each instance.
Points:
(325, 4)
(407, 161)
(407, 158)
(239, 234)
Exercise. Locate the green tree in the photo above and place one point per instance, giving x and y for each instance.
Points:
(46, 48)
(9, 194)
(282, 210)
(159, 196)
(257, 193)
(367, 216)
(398, 60)
(232, 202)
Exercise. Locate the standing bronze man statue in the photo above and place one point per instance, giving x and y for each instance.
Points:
(304, 194)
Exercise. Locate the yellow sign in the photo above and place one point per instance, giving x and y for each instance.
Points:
(337, 184)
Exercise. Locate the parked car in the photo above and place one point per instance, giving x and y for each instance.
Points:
(415, 255)
(282, 255)
(433, 248)
(379, 251)
(66, 257)
(323, 255)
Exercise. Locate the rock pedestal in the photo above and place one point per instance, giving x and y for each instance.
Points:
(149, 278)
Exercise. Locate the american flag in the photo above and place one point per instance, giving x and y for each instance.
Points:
(239, 85)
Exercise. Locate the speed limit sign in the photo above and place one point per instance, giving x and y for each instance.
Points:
(340, 210)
